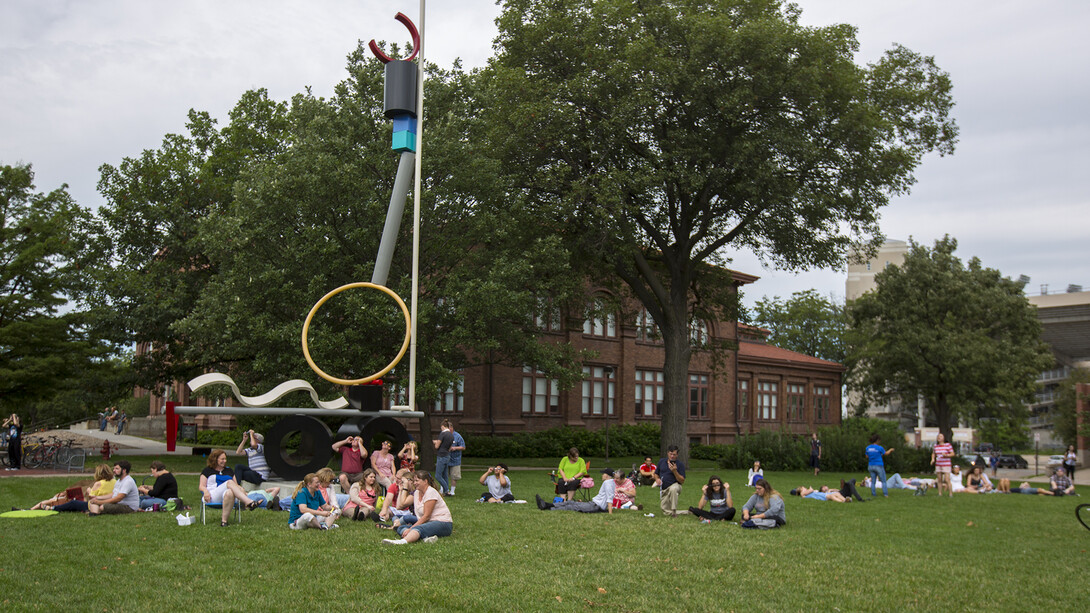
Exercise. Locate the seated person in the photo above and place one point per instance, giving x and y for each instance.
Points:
(602, 502)
(164, 488)
(647, 472)
(764, 509)
(62, 501)
(755, 474)
(822, 494)
(498, 484)
(956, 484)
(398, 498)
(256, 470)
(624, 495)
(716, 494)
(326, 476)
(363, 497)
(407, 457)
(430, 518)
(218, 486)
(352, 453)
(1061, 484)
(125, 498)
(976, 482)
(571, 470)
(308, 510)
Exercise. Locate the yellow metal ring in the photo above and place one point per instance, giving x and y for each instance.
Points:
(389, 367)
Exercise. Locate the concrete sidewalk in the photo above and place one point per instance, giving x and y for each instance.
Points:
(133, 445)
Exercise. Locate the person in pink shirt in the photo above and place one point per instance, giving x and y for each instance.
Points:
(624, 497)
(940, 458)
(431, 517)
(383, 463)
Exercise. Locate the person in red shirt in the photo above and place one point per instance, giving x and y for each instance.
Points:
(647, 472)
(352, 454)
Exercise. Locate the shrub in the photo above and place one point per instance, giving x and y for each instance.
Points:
(624, 440)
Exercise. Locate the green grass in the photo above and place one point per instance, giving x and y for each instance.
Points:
(1002, 552)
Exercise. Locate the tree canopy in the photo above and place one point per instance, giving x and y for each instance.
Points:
(658, 137)
(46, 349)
(962, 336)
(807, 323)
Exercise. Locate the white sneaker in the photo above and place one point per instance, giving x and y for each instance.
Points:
(331, 526)
(432, 539)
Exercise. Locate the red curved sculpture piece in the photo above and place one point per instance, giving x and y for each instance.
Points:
(404, 19)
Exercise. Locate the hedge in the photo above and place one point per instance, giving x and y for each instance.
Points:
(637, 440)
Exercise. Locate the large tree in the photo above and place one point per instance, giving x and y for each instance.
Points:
(46, 347)
(963, 337)
(806, 322)
(659, 137)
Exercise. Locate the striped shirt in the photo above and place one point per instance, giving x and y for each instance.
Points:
(940, 459)
(256, 459)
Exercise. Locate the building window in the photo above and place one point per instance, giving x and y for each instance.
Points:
(868, 265)
(646, 328)
(743, 399)
(822, 395)
(547, 315)
(540, 394)
(698, 333)
(796, 401)
(766, 400)
(649, 393)
(598, 390)
(451, 402)
(698, 396)
(600, 321)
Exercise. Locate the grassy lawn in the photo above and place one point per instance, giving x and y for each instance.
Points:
(1002, 552)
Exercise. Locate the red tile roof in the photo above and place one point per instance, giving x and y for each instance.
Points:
(747, 349)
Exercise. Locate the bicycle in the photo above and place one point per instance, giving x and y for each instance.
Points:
(1082, 513)
(56, 452)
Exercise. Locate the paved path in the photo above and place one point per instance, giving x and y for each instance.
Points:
(134, 445)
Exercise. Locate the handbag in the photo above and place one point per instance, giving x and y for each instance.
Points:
(586, 482)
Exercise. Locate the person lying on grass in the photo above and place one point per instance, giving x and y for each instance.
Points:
(1024, 488)
(896, 482)
(602, 502)
(308, 508)
(498, 484)
(715, 494)
(102, 484)
(431, 517)
(823, 494)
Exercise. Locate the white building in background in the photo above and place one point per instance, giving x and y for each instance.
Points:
(860, 281)
(1065, 326)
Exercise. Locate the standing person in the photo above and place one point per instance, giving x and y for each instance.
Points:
(122, 419)
(764, 509)
(15, 441)
(164, 488)
(431, 517)
(125, 497)
(572, 468)
(442, 455)
(876, 464)
(352, 454)
(498, 484)
(256, 470)
(382, 461)
(716, 494)
(456, 450)
(994, 462)
(815, 453)
(940, 458)
(1069, 462)
(669, 476)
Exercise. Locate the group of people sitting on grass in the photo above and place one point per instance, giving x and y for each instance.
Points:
(113, 492)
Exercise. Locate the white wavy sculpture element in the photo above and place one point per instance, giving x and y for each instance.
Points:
(269, 397)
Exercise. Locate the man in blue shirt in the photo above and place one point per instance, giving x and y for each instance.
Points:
(669, 475)
(876, 464)
(455, 473)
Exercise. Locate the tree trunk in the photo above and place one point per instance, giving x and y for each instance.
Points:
(675, 407)
(941, 408)
(425, 448)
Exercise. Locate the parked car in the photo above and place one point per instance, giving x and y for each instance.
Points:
(1055, 461)
(1008, 460)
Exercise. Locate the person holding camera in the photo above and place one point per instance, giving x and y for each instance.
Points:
(669, 476)
(14, 426)
(498, 483)
(256, 470)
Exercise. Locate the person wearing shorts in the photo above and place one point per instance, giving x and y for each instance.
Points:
(940, 458)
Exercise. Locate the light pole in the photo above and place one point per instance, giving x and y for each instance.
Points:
(608, 372)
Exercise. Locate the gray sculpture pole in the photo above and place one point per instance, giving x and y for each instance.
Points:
(393, 218)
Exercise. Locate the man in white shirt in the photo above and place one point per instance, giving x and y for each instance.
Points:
(125, 497)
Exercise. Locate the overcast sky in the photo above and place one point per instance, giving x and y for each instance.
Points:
(88, 82)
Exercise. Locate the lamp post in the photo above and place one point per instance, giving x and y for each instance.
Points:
(608, 372)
